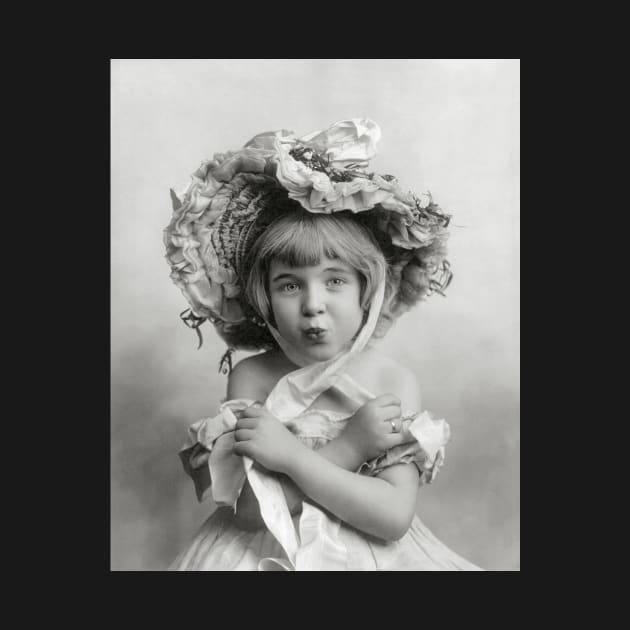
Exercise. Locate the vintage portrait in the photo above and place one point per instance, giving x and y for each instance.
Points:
(315, 315)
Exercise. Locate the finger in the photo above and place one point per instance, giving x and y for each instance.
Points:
(241, 412)
(246, 423)
(396, 439)
(243, 448)
(243, 435)
(252, 412)
(391, 425)
(389, 412)
(387, 399)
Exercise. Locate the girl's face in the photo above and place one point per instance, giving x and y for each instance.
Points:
(317, 309)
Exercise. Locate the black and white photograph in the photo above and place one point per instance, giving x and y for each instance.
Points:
(315, 315)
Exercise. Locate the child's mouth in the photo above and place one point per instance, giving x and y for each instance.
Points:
(315, 334)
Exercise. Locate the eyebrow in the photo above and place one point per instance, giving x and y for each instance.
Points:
(284, 276)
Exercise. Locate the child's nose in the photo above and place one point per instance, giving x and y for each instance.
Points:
(313, 303)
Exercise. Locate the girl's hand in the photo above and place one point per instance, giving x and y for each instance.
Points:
(370, 432)
(265, 439)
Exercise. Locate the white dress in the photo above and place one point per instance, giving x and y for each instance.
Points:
(324, 543)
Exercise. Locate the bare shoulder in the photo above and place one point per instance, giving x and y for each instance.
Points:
(388, 376)
(252, 377)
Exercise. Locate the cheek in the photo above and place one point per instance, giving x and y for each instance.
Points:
(350, 309)
(282, 311)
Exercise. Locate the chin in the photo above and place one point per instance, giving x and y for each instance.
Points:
(322, 353)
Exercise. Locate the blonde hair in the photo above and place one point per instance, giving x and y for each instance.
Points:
(300, 239)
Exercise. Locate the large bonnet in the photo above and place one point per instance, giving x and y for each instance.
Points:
(233, 197)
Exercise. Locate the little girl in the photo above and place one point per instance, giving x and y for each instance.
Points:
(292, 247)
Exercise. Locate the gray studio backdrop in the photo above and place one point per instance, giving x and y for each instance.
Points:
(449, 126)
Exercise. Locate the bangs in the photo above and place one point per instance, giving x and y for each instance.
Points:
(305, 242)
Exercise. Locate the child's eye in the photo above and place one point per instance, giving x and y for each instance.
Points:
(290, 287)
(336, 282)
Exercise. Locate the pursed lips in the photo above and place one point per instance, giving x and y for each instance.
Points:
(314, 332)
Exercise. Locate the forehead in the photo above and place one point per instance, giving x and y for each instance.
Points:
(325, 265)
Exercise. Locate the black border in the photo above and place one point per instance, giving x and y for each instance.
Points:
(78, 324)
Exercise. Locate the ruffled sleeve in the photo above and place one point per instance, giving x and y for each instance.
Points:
(427, 452)
(208, 448)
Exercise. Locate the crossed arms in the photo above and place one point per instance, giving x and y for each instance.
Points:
(382, 506)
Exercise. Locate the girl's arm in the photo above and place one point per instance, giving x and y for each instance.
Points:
(382, 506)
(243, 382)
(337, 452)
